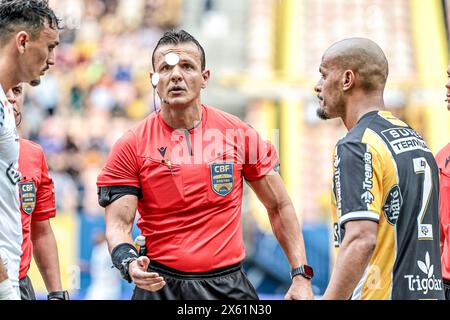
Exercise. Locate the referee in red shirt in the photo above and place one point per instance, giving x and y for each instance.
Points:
(37, 205)
(183, 169)
(443, 161)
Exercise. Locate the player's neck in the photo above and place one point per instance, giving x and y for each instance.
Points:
(361, 104)
(183, 117)
(6, 78)
(8, 71)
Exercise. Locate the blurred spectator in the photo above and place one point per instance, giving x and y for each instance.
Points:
(105, 281)
(48, 93)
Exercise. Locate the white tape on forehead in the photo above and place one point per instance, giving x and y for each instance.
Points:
(172, 59)
(155, 79)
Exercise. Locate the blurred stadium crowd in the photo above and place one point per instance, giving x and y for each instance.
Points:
(99, 90)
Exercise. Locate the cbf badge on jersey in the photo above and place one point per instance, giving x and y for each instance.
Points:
(28, 196)
(222, 178)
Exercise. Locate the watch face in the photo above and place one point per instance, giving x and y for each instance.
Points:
(308, 271)
(304, 270)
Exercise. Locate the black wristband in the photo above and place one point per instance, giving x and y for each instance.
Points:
(60, 295)
(121, 257)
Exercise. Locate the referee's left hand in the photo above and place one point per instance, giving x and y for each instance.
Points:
(300, 289)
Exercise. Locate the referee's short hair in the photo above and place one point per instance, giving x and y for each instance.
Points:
(176, 37)
(28, 15)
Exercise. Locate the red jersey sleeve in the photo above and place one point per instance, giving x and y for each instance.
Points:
(45, 195)
(122, 168)
(260, 156)
(443, 161)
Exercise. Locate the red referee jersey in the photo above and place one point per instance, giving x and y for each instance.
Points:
(37, 195)
(191, 183)
(443, 161)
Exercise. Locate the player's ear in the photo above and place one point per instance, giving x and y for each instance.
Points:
(348, 80)
(21, 41)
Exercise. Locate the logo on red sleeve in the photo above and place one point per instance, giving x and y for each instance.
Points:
(27, 196)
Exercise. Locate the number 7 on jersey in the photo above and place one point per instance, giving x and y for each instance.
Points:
(425, 231)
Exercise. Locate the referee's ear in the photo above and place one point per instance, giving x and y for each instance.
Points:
(206, 74)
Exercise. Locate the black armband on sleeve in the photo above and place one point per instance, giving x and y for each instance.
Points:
(107, 195)
(121, 257)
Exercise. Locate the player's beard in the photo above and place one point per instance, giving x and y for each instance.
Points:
(322, 114)
(334, 110)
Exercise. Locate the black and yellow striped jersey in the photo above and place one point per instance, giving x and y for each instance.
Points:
(383, 171)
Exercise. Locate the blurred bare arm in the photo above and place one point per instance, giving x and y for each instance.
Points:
(353, 257)
(45, 252)
(3, 273)
(7, 291)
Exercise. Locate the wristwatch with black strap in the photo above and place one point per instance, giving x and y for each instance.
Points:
(58, 295)
(304, 270)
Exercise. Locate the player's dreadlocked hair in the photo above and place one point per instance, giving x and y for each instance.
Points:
(29, 15)
(176, 37)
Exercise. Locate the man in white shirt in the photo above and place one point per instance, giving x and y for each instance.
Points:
(28, 36)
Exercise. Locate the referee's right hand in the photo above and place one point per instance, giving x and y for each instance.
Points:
(150, 281)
